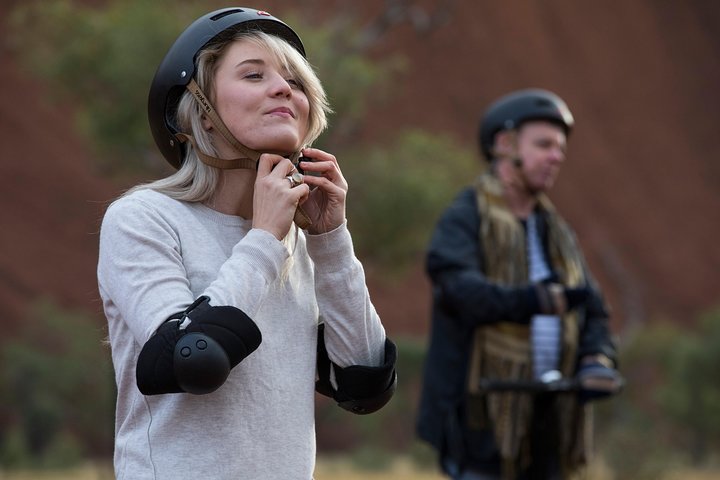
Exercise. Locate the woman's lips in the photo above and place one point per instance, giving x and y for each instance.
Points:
(282, 111)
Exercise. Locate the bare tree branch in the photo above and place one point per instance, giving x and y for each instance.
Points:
(424, 21)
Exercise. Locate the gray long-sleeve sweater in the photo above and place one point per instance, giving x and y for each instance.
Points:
(157, 255)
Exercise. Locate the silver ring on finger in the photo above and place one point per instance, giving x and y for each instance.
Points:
(295, 179)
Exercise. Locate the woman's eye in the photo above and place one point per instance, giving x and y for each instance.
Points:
(295, 84)
(253, 75)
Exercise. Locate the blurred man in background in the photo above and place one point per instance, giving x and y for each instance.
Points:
(520, 340)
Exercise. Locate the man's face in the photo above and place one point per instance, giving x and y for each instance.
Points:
(541, 146)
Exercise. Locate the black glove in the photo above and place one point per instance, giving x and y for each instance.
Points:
(575, 297)
(555, 299)
(598, 381)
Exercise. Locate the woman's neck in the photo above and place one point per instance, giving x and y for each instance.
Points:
(234, 193)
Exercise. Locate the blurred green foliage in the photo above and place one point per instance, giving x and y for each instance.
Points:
(57, 392)
(101, 61)
(691, 395)
(397, 191)
(673, 391)
(353, 81)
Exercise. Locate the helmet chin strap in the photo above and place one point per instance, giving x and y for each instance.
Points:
(250, 158)
(517, 162)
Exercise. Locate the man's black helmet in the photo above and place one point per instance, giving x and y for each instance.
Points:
(516, 108)
(178, 67)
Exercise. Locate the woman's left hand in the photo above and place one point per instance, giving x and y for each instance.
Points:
(326, 203)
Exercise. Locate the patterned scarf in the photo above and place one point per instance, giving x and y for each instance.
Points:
(503, 350)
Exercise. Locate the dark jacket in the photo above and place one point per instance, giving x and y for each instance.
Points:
(463, 298)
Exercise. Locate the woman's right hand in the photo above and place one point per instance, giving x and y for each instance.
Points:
(274, 198)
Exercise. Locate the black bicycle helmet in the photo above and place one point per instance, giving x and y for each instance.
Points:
(178, 67)
(516, 108)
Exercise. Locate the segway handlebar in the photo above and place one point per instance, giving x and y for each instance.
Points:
(529, 386)
(553, 382)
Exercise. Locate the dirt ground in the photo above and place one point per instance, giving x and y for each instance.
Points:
(334, 469)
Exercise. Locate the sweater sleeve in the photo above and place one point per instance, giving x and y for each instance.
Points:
(354, 334)
(141, 270)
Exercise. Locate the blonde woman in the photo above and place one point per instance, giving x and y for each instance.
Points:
(231, 288)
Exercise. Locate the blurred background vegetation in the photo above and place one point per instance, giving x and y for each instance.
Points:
(56, 385)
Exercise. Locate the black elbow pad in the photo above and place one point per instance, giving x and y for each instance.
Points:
(360, 389)
(194, 350)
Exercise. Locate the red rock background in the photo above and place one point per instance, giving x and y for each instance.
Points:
(641, 185)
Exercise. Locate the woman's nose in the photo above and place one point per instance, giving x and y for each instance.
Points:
(280, 86)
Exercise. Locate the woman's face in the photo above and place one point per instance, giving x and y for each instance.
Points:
(259, 101)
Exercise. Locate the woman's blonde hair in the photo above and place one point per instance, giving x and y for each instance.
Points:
(195, 181)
